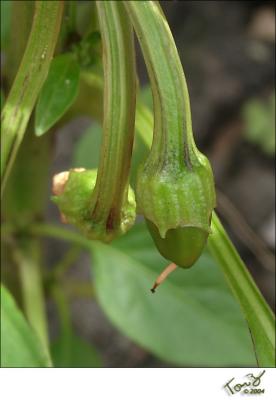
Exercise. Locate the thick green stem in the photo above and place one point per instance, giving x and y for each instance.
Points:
(20, 26)
(259, 316)
(173, 138)
(119, 110)
(29, 80)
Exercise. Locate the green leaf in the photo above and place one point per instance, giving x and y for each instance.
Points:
(58, 92)
(74, 352)
(20, 346)
(191, 320)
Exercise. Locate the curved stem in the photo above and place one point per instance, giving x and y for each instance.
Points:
(173, 139)
(19, 31)
(259, 316)
(60, 233)
(29, 80)
(119, 114)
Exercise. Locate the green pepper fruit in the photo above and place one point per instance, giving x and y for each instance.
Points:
(175, 186)
(73, 190)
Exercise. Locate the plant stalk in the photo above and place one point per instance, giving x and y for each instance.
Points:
(173, 142)
(111, 187)
(29, 80)
(258, 314)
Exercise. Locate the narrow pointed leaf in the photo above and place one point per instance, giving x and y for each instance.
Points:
(58, 92)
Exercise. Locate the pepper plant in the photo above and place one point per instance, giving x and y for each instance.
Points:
(74, 62)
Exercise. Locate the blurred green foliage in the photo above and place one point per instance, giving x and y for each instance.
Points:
(20, 347)
(74, 352)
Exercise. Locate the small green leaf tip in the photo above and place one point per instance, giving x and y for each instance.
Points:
(73, 194)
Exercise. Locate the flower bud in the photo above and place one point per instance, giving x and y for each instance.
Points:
(73, 192)
(175, 187)
(177, 204)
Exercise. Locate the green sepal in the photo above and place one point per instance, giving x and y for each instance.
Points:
(177, 202)
(177, 196)
(76, 207)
